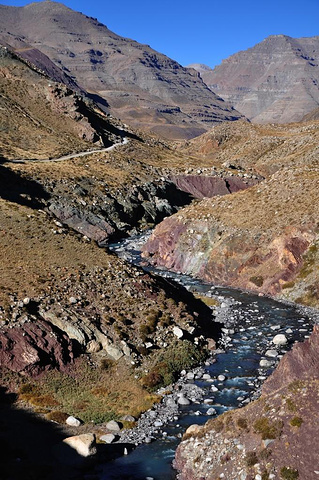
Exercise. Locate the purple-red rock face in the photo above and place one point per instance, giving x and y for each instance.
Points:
(300, 363)
(141, 86)
(274, 81)
(206, 250)
(34, 347)
(201, 186)
(258, 239)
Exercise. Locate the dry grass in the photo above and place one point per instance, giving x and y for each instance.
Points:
(89, 394)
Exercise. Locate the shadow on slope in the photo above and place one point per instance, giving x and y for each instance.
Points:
(26, 443)
(20, 190)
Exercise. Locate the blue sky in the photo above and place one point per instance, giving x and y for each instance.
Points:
(205, 31)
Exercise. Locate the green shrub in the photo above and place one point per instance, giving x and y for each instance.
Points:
(251, 459)
(291, 405)
(268, 429)
(296, 422)
(107, 363)
(28, 389)
(179, 356)
(152, 380)
(288, 473)
(242, 423)
(56, 416)
(258, 281)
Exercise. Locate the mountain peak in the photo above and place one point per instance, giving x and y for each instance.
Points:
(143, 87)
(275, 81)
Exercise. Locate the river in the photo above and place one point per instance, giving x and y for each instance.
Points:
(250, 323)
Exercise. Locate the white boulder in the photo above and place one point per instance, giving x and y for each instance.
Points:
(280, 339)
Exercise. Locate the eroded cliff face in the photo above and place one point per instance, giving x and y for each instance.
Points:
(219, 241)
(272, 437)
(263, 238)
(201, 186)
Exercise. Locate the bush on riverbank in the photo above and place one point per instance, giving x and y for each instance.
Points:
(167, 366)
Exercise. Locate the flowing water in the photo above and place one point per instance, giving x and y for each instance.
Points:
(251, 323)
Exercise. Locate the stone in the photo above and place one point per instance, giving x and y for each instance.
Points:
(108, 438)
(221, 378)
(83, 444)
(183, 400)
(208, 401)
(193, 429)
(211, 344)
(279, 339)
(170, 402)
(158, 423)
(271, 353)
(265, 363)
(72, 300)
(114, 352)
(113, 425)
(211, 411)
(93, 346)
(73, 422)
(128, 418)
(178, 332)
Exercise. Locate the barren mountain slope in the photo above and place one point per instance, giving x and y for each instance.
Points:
(41, 118)
(274, 81)
(263, 238)
(142, 86)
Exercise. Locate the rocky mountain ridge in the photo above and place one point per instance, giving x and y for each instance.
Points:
(276, 81)
(141, 86)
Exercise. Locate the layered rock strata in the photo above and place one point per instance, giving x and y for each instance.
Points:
(138, 84)
(274, 81)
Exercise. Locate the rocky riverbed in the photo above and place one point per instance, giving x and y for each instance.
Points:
(257, 332)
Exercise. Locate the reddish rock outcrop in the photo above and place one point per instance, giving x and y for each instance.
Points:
(205, 249)
(33, 347)
(201, 186)
(301, 363)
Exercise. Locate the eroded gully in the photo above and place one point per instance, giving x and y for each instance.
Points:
(229, 379)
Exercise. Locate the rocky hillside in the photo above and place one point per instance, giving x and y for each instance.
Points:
(71, 313)
(41, 118)
(141, 86)
(263, 238)
(274, 81)
(272, 437)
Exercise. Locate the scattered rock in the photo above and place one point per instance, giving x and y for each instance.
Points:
(211, 411)
(73, 422)
(83, 444)
(280, 339)
(178, 332)
(113, 426)
(183, 400)
(108, 438)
